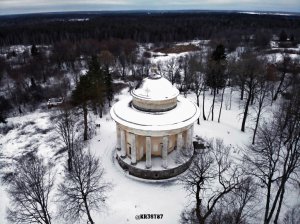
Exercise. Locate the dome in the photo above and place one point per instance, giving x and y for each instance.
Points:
(155, 88)
(155, 94)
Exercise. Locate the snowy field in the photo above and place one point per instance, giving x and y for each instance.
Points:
(129, 196)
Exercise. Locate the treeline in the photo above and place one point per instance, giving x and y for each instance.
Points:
(141, 27)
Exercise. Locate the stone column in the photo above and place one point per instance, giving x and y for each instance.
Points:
(188, 142)
(148, 152)
(165, 152)
(179, 141)
(133, 149)
(123, 144)
(118, 146)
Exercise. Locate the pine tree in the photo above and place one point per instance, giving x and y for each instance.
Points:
(97, 78)
(108, 87)
(34, 51)
(90, 90)
(215, 78)
(219, 53)
(81, 96)
(283, 36)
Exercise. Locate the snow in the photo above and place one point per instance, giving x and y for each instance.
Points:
(163, 58)
(155, 89)
(277, 57)
(79, 20)
(268, 13)
(126, 115)
(129, 196)
(132, 196)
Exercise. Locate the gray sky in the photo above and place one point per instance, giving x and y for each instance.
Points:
(29, 6)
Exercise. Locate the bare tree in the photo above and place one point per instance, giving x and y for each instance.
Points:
(198, 77)
(241, 203)
(172, 69)
(250, 67)
(292, 216)
(275, 158)
(65, 127)
(262, 92)
(211, 176)
(282, 68)
(29, 190)
(83, 188)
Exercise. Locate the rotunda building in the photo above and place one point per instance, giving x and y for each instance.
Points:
(154, 130)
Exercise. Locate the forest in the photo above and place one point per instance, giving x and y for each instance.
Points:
(153, 26)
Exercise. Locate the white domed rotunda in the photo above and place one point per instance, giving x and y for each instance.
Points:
(154, 129)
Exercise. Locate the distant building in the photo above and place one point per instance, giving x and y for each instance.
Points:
(155, 130)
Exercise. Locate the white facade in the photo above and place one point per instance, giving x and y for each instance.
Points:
(154, 123)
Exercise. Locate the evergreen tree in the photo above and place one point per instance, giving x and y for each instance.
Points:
(283, 36)
(97, 77)
(219, 53)
(80, 97)
(90, 90)
(108, 87)
(215, 77)
(5, 106)
(34, 51)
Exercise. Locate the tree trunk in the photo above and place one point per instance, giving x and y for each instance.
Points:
(230, 99)
(198, 206)
(46, 217)
(88, 211)
(246, 110)
(69, 160)
(279, 205)
(242, 92)
(203, 108)
(252, 99)
(198, 120)
(256, 123)
(123, 72)
(268, 201)
(279, 87)
(221, 105)
(85, 113)
(213, 106)
(100, 111)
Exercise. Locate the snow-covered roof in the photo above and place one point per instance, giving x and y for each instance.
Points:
(184, 114)
(155, 87)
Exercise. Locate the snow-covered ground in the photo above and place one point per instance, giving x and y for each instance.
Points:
(129, 196)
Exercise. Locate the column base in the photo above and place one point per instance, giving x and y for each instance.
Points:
(133, 164)
(164, 166)
(118, 148)
(148, 167)
(123, 157)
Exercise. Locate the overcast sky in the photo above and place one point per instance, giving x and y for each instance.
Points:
(29, 6)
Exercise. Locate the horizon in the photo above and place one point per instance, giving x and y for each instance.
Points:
(15, 7)
(154, 11)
